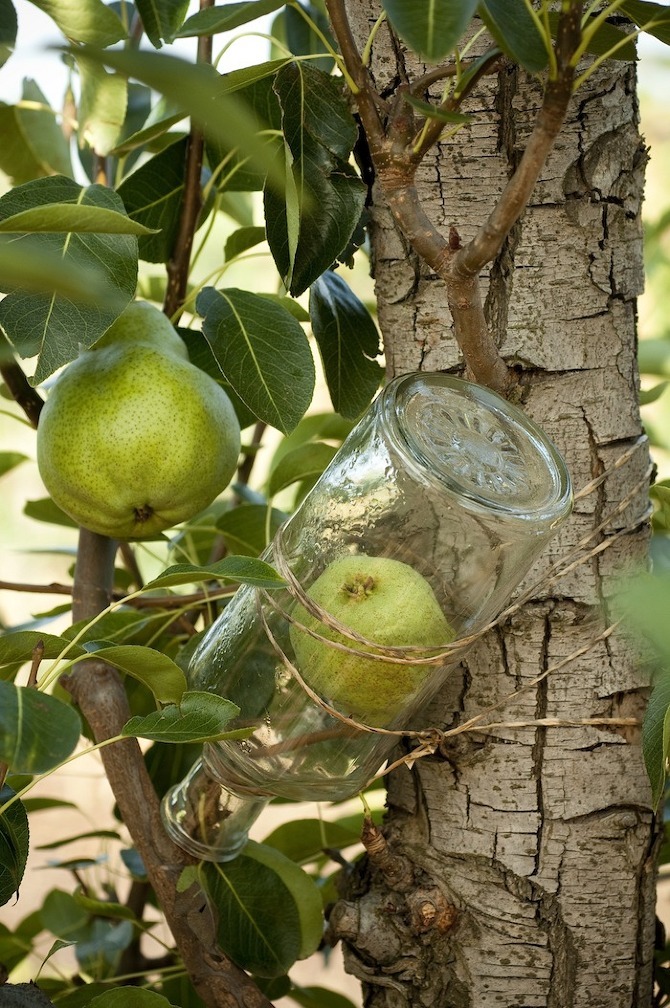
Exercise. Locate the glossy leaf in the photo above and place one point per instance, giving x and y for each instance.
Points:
(432, 28)
(129, 997)
(102, 106)
(220, 18)
(89, 21)
(37, 271)
(303, 840)
(33, 142)
(53, 218)
(200, 92)
(262, 351)
(152, 668)
(41, 324)
(8, 28)
(606, 38)
(37, 731)
(653, 18)
(161, 21)
(245, 529)
(320, 997)
(198, 717)
(268, 910)
(20, 645)
(242, 240)
(311, 219)
(304, 463)
(434, 112)
(45, 510)
(516, 33)
(160, 119)
(246, 570)
(238, 173)
(153, 195)
(348, 342)
(302, 39)
(14, 845)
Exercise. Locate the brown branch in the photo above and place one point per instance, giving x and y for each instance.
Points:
(180, 260)
(395, 164)
(21, 391)
(98, 690)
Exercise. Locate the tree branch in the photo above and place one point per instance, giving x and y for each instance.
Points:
(395, 164)
(21, 391)
(98, 691)
(179, 263)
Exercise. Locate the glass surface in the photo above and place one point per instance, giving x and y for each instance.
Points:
(461, 492)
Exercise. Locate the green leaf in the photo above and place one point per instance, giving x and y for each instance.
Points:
(200, 92)
(245, 528)
(33, 143)
(320, 997)
(19, 646)
(75, 217)
(198, 717)
(241, 240)
(312, 217)
(297, 33)
(348, 342)
(161, 20)
(14, 845)
(9, 460)
(515, 31)
(433, 112)
(159, 121)
(91, 834)
(246, 570)
(41, 324)
(306, 462)
(89, 21)
(237, 173)
(303, 840)
(37, 731)
(653, 18)
(102, 106)
(432, 28)
(8, 29)
(153, 195)
(269, 911)
(262, 351)
(39, 271)
(644, 604)
(103, 908)
(225, 18)
(656, 735)
(153, 668)
(129, 997)
(45, 510)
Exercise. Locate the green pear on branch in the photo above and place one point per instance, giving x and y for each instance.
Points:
(133, 438)
(388, 603)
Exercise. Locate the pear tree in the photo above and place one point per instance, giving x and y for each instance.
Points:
(185, 250)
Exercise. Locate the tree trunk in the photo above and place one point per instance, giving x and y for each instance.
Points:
(541, 837)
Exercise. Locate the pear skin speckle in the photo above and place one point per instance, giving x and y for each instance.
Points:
(387, 602)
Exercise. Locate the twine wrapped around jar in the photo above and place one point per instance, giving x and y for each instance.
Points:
(444, 477)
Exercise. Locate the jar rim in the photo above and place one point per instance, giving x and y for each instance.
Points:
(489, 452)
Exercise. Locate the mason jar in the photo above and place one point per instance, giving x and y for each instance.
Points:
(447, 494)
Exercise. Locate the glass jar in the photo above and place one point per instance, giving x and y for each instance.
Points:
(443, 491)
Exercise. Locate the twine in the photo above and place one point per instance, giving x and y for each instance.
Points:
(430, 740)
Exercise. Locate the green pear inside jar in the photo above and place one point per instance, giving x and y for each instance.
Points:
(414, 538)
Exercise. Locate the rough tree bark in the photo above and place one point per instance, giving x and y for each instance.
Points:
(542, 838)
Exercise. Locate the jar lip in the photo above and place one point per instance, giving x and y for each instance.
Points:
(467, 438)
